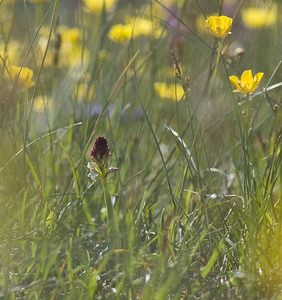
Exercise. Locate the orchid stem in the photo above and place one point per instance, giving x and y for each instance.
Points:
(112, 220)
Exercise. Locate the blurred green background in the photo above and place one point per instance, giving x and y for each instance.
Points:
(198, 192)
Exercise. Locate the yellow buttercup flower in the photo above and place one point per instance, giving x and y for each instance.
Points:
(220, 26)
(134, 28)
(70, 35)
(172, 91)
(256, 17)
(21, 76)
(120, 33)
(247, 83)
(97, 6)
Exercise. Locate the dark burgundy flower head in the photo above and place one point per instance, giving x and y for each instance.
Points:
(101, 150)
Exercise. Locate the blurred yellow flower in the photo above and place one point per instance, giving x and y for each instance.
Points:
(42, 103)
(65, 48)
(145, 27)
(120, 33)
(255, 17)
(171, 91)
(10, 51)
(70, 35)
(247, 83)
(97, 6)
(84, 91)
(220, 26)
(134, 28)
(21, 76)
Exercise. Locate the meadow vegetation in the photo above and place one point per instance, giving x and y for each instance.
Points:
(140, 149)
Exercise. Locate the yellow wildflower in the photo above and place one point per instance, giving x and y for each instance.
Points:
(255, 17)
(201, 24)
(172, 91)
(134, 28)
(120, 33)
(70, 35)
(248, 83)
(42, 103)
(144, 27)
(220, 26)
(65, 49)
(11, 51)
(21, 76)
(97, 6)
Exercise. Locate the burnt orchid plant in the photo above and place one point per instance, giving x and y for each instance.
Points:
(99, 168)
(99, 156)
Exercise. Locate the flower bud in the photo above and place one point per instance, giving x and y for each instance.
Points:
(101, 150)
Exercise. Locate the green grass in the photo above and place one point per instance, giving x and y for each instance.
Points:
(198, 192)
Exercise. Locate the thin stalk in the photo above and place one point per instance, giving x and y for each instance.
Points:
(215, 64)
(113, 226)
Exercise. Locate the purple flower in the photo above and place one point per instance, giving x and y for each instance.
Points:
(101, 150)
